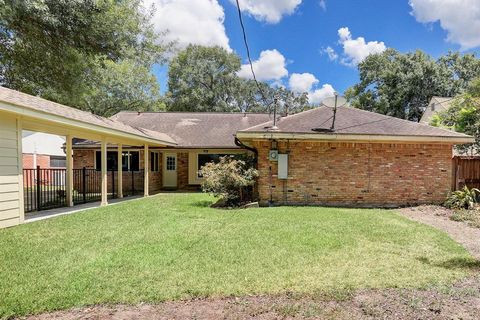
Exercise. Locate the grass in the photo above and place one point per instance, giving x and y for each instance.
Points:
(173, 246)
(472, 217)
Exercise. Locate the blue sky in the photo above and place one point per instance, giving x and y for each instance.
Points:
(300, 31)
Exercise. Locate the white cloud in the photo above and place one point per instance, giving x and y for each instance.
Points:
(302, 82)
(332, 55)
(306, 82)
(460, 18)
(323, 5)
(190, 22)
(270, 66)
(270, 11)
(318, 95)
(355, 50)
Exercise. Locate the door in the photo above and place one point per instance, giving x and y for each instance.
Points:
(170, 170)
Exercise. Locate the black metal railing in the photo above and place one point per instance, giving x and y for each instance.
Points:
(46, 188)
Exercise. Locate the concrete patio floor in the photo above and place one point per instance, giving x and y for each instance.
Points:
(47, 214)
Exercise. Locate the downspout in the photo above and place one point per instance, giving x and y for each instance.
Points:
(239, 143)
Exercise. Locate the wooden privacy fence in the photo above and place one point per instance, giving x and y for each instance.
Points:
(466, 172)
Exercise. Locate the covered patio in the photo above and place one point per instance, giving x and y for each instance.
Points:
(19, 111)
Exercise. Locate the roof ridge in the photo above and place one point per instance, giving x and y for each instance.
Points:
(286, 117)
(191, 112)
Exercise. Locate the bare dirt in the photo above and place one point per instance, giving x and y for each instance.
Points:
(460, 301)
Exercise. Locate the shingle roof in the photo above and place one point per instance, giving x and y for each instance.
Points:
(438, 104)
(195, 129)
(351, 121)
(45, 106)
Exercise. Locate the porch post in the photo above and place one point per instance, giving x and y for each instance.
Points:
(69, 171)
(119, 171)
(104, 172)
(146, 169)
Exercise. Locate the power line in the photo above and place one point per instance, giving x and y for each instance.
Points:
(265, 100)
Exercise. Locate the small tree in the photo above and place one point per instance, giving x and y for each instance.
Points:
(230, 180)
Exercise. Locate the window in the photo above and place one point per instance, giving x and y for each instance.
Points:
(171, 163)
(130, 161)
(58, 161)
(205, 158)
(154, 161)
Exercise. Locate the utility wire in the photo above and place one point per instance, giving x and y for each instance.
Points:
(265, 100)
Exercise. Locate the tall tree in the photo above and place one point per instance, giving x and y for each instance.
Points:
(401, 85)
(63, 50)
(205, 79)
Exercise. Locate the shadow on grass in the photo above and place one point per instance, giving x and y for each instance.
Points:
(202, 204)
(455, 263)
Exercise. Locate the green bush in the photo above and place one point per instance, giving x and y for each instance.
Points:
(462, 199)
(231, 180)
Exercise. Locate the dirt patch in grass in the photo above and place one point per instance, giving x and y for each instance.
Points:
(441, 218)
(460, 301)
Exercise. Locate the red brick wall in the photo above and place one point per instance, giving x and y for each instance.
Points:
(182, 171)
(356, 173)
(42, 160)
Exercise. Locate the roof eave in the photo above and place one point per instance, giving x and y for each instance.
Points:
(22, 110)
(355, 137)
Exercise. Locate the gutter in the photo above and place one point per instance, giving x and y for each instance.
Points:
(355, 137)
(255, 151)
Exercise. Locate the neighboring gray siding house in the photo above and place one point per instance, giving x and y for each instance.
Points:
(437, 104)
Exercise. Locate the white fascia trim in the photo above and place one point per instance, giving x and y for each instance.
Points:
(353, 137)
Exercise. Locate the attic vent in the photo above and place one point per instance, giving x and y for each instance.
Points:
(433, 106)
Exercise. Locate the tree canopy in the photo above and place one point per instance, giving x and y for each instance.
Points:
(205, 79)
(401, 85)
(94, 54)
(463, 116)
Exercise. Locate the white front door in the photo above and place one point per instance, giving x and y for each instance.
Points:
(170, 170)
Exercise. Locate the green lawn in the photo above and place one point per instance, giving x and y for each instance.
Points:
(173, 246)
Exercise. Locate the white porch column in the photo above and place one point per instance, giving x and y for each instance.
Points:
(104, 172)
(146, 169)
(119, 171)
(69, 171)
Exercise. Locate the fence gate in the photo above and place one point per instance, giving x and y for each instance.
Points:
(46, 188)
(466, 172)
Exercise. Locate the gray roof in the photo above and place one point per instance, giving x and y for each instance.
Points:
(351, 121)
(437, 104)
(195, 129)
(48, 107)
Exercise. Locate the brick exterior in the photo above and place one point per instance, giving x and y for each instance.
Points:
(42, 160)
(356, 174)
(182, 171)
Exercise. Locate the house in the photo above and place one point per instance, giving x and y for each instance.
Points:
(319, 156)
(437, 104)
(43, 149)
(367, 159)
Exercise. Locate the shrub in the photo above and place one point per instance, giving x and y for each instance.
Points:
(231, 180)
(462, 199)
